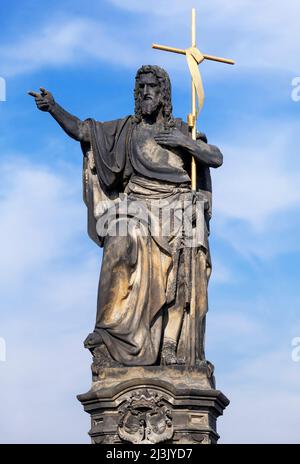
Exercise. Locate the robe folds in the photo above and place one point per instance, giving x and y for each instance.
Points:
(145, 269)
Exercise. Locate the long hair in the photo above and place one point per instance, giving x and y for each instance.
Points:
(165, 88)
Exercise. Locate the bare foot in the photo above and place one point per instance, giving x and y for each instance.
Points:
(92, 340)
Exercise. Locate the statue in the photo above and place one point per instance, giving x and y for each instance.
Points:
(148, 192)
(143, 162)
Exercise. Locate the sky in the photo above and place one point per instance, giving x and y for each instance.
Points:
(87, 53)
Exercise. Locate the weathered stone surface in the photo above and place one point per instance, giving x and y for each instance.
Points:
(151, 380)
(153, 227)
(143, 405)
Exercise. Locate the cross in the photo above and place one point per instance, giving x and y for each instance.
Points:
(194, 58)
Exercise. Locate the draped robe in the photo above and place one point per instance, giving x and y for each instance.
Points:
(142, 272)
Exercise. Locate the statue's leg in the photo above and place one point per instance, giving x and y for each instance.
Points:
(203, 270)
(174, 318)
(114, 279)
(131, 296)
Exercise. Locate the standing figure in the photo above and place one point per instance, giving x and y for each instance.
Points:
(153, 228)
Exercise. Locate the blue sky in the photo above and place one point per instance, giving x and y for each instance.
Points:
(87, 54)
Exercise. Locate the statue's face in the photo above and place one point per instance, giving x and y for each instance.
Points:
(150, 94)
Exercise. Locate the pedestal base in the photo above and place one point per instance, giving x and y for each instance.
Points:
(146, 405)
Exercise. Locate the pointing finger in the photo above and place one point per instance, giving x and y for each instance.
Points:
(34, 94)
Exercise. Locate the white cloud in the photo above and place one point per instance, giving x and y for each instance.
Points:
(254, 368)
(53, 44)
(254, 33)
(39, 383)
(256, 180)
(256, 416)
(61, 43)
(255, 199)
(257, 34)
(237, 330)
(265, 401)
(222, 274)
(36, 207)
(46, 363)
(48, 281)
(161, 8)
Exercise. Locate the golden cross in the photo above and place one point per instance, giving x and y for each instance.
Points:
(194, 58)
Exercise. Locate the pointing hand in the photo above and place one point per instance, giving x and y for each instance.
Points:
(44, 100)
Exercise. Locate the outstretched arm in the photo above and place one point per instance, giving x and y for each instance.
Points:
(73, 126)
(206, 154)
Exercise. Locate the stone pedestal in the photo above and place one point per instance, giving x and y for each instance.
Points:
(147, 405)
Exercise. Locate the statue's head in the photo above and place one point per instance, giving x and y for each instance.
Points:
(153, 93)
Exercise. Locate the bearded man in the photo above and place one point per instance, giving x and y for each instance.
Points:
(147, 279)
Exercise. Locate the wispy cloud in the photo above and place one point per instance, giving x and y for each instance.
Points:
(48, 281)
(222, 274)
(255, 188)
(254, 368)
(63, 42)
(256, 180)
(53, 44)
(254, 33)
(257, 34)
(49, 268)
(33, 217)
(264, 393)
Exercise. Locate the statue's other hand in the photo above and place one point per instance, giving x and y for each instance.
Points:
(44, 100)
(173, 138)
(92, 340)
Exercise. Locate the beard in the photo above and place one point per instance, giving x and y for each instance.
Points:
(149, 107)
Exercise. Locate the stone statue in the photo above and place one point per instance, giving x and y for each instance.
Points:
(151, 381)
(136, 178)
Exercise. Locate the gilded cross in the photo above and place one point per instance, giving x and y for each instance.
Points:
(194, 58)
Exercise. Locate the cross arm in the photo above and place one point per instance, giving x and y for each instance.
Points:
(183, 52)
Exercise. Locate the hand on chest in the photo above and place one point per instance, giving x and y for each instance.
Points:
(155, 153)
